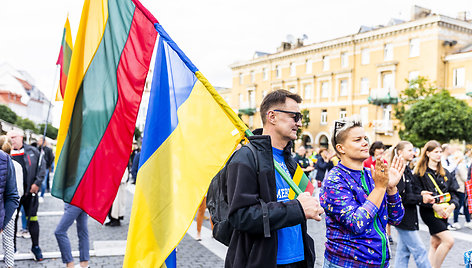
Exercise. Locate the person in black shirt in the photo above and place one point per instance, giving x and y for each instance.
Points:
(409, 242)
(303, 161)
(431, 176)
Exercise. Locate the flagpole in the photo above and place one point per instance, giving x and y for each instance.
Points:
(49, 110)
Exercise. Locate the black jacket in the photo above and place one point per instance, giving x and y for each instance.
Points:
(248, 247)
(446, 184)
(409, 199)
(34, 175)
(322, 167)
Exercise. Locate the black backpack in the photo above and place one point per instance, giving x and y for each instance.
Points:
(217, 204)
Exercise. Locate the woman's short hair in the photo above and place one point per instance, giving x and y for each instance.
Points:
(342, 128)
(376, 145)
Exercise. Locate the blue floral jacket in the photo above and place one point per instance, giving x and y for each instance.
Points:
(355, 227)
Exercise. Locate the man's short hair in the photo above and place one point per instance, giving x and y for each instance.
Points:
(16, 132)
(275, 98)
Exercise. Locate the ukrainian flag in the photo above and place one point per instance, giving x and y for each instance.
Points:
(190, 132)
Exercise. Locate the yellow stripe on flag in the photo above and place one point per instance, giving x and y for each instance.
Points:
(296, 178)
(91, 28)
(172, 182)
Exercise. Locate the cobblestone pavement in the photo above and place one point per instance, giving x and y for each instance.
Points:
(190, 253)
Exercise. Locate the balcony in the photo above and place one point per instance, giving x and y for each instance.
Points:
(247, 109)
(383, 96)
(383, 127)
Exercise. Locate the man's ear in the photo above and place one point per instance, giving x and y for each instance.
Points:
(340, 148)
(271, 118)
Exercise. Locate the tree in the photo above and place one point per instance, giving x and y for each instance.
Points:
(51, 131)
(305, 121)
(417, 89)
(438, 117)
(25, 124)
(7, 114)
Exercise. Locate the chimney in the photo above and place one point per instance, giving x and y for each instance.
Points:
(462, 15)
(284, 46)
(418, 12)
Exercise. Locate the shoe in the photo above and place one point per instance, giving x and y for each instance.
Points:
(25, 234)
(456, 225)
(38, 255)
(78, 266)
(41, 199)
(468, 225)
(113, 223)
(451, 228)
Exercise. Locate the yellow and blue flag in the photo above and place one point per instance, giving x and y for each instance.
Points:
(190, 132)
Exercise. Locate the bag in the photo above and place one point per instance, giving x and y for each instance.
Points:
(468, 193)
(217, 204)
(445, 204)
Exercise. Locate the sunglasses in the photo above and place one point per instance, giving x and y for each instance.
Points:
(297, 115)
(337, 126)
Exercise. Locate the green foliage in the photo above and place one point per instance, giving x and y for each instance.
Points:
(305, 121)
(7, 114)
(440, 117)
(51, 131)
(417, 89)
(25, 124)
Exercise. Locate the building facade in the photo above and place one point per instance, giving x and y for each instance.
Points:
(361, 74)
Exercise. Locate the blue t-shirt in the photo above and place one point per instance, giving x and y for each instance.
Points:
(290, 239)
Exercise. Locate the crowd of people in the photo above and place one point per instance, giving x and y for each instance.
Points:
(363, 188)
(24, 179)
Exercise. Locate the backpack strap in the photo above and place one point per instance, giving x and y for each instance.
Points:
(265, 210)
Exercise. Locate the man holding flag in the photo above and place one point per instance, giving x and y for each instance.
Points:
(258, 196)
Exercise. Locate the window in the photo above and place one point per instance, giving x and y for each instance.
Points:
(293, 70)
(292, 89)
(308, 66)
(240, 78)
(343, 87)
(251, 98)
(342, 113)
(364, 113)
(344, 60)
(388, 52)
(308, 91)
(324, 89)
(364, 85)
(264, 93)
(325, 63)
(265, 74)
(278, 72)
(414, 47)
(241, 100)
(365, 56)
(253, 77)
(324, 117)
(387, 81)
(458, 77)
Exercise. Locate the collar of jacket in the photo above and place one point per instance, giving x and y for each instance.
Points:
(264, 142)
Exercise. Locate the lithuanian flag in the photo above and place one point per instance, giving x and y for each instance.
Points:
(64, 60)
(302, 181)
(107, 74)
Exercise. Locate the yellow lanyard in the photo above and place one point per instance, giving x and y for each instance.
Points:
(435, 184)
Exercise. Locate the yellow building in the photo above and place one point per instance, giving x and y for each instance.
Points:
(360, 73)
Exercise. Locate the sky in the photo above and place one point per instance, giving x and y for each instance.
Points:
(212, 33)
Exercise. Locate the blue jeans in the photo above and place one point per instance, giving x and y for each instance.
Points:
(328, 264)
(44, 184)
(72, 213)
(409, 243)
(461, 204)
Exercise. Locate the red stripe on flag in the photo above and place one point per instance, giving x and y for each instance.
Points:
(98, 187)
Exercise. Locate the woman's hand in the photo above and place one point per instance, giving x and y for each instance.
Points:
(440, 211)
(380, 174)
(395, 171)
(450, 209)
